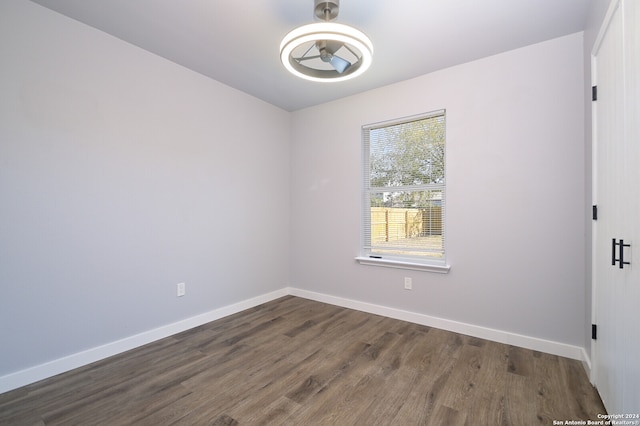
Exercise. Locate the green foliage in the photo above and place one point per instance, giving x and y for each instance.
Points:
(408, 154)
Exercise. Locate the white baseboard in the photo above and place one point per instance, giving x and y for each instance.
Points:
(57, 366)
(541, 345)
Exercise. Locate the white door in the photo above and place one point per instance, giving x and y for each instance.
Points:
(616, 183)
(631, 290)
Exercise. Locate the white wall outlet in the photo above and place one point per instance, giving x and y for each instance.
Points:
(408, 283)
(181, 289)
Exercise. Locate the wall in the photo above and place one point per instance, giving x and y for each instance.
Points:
(121, 175)
(515, 158)
(595, 18)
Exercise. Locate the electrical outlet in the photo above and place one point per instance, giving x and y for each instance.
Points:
(408, 283)
(181, 289)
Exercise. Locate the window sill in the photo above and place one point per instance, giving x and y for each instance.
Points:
(402, 264)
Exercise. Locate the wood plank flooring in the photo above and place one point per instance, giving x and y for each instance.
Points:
(294, 361)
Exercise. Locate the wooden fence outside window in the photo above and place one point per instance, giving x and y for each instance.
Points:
(392, 224)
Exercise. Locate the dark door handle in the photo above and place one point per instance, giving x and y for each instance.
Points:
(622, 245)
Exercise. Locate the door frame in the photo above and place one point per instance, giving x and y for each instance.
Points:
(613, 6)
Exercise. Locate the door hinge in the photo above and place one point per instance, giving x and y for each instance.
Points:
(594, 93)
(594, 332)
(594, 212)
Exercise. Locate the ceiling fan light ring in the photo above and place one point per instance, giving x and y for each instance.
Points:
(330, 32)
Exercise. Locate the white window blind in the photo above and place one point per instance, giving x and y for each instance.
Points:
(404, 189)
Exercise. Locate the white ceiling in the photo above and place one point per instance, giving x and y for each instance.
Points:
(236, 41)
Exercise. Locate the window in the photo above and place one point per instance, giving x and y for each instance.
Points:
(404, 193)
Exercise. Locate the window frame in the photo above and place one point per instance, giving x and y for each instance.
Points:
(416, 262)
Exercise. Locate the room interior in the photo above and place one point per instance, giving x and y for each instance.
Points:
(135, 157)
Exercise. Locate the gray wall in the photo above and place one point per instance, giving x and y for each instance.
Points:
(121, 175)
(515, 194)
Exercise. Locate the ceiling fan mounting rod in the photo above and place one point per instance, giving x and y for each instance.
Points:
(326, 10)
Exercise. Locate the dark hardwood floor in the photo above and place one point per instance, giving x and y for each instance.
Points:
(299, 362)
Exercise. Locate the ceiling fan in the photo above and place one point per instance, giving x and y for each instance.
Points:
(326, 51)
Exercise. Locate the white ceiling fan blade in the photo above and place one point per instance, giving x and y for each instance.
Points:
(341, 65)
